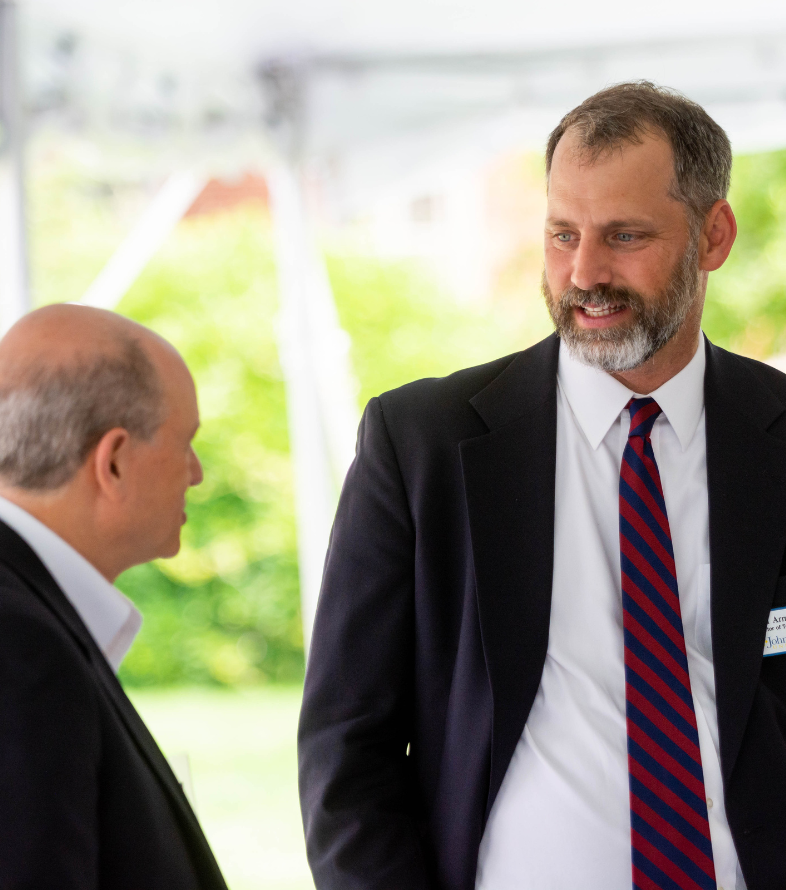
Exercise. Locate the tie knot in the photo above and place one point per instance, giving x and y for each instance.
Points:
(643, 414)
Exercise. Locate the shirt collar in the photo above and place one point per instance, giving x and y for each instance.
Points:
(111, 618)
(597, 399)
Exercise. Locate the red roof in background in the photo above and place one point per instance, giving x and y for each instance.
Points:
(221, 194)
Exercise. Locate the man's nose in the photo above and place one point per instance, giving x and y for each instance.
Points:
(196, 469)
(591, 265)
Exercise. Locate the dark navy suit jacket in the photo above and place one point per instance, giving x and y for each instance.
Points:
(433, 621)
(87, 800)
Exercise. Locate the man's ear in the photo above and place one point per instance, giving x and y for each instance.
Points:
(110, 461)
(717, 236)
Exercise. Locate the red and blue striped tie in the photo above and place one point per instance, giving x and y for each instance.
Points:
(670, 832)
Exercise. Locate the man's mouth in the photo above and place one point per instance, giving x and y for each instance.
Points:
(600, 311)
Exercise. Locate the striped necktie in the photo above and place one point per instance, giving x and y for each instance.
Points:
(670, 832)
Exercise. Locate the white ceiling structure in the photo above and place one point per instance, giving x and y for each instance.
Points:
(374, 89)
(366, 96)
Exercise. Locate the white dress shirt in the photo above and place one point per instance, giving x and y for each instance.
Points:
(562, 816)
(111, 617)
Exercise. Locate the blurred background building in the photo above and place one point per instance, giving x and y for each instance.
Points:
(317, 201)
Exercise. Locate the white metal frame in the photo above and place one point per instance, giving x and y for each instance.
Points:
(14, 285)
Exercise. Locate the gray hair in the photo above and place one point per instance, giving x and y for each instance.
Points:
(52, 417)
(625, 112)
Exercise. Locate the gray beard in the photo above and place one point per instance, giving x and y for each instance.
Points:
(655, 321)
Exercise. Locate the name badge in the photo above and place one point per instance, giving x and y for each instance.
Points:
(775, 641)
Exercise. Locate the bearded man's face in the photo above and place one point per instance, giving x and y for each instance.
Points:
(621, 256)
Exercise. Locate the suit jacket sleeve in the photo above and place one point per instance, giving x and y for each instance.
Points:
(357, 709)
(49, 748)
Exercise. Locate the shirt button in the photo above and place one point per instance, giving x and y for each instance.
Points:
(709, 807)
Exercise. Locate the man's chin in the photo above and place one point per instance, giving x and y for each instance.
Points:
(616, 332)
(613, 354)
(171, 548)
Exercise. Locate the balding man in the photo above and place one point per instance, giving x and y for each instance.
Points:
(97, 415)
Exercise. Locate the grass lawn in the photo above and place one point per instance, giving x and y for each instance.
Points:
(241, 748)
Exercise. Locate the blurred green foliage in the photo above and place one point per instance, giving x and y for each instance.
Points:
(746, 298)
(404, 326)
(226, 609)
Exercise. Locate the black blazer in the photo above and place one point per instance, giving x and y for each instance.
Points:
(87, 800)
(433, 621)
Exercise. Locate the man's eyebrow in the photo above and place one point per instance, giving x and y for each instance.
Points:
(630, 224)
(611, 224)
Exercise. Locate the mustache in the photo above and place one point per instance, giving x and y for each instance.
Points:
(602, 296)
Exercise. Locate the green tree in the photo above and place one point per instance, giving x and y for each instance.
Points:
(746, 299)
(226, 609)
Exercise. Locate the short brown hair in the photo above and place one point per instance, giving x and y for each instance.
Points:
(625, 112)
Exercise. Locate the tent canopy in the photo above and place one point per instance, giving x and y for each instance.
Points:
(237, 33)
(344, 80)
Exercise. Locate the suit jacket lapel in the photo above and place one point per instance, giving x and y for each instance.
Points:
(746, 477)
(23, 561)
(509, 482)
(194, 837)
(25, 564)
(143, 740)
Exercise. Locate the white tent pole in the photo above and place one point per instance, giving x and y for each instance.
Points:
(321, 404)
(14, 284)
(142, 243)
(321, 392)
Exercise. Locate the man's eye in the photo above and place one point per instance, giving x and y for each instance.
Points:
(625, 236)
(564, 237)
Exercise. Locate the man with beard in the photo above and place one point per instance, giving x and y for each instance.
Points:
(538, 658)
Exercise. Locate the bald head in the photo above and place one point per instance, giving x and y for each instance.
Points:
(65, 334)
(68, 374)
